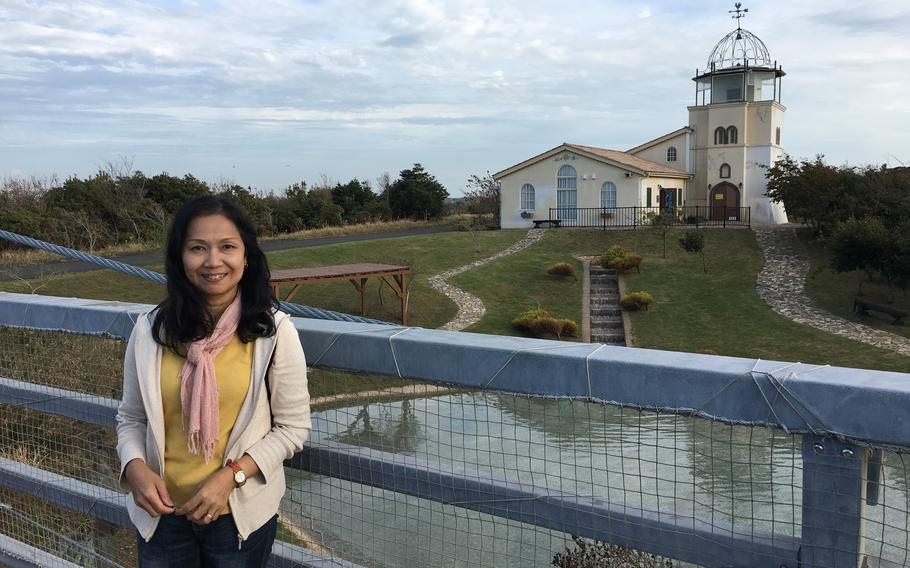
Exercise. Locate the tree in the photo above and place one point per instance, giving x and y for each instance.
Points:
(416, 193)
(354, 198)
(663, 223)
(482, 196)
(694, 241)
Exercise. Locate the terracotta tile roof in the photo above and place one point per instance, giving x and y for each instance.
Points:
(626, 159)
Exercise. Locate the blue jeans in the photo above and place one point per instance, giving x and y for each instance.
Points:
(178, 543)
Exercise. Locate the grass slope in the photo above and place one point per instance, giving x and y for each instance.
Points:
(719, 310)
(426, 254)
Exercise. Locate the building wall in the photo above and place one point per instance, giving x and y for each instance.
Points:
(591, 174)
(756, 184)
(658, 152)
(763, 118)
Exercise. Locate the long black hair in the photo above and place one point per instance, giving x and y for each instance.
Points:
(182, 317)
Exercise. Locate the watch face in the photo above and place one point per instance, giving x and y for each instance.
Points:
(239, 477)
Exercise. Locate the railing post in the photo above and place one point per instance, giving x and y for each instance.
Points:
(832, 503)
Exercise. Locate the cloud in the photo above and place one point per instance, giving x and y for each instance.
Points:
(401, 80)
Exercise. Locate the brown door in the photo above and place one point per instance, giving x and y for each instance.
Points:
(724, 202)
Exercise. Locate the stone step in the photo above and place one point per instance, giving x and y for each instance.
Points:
(608, 339)
(601, 279)
(597, 269)
(605, 310)
(605, 325)
(598, 289)
(604, 298)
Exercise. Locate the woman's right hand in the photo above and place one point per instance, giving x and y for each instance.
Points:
(148, 489)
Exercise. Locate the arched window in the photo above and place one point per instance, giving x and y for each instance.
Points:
(724, 171)
(566, 178)
(777, 136)
(671, 154)
(566, 194)
(608, 195)
(731, 135)
(527, 196)
(720, 135)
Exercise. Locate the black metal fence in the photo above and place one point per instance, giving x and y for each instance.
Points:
(608, 217)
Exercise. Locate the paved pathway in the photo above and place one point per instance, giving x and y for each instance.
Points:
(781, 284)
(470, 308)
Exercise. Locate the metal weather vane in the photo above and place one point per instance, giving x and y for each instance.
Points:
(738, 14)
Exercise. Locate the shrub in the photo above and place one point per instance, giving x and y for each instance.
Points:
(561, 269)
(539, 323)
(547, 326)
(692, 241)
(636, 301)
(617, 257)
(569, 328)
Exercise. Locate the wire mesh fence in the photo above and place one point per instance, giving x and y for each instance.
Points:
(530, 471)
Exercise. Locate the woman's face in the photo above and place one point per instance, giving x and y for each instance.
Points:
(214, 257)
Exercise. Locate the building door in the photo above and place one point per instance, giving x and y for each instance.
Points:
(566, 204)
(668, 199)
(724, 202)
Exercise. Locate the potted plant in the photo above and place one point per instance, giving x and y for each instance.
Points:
(527, 214)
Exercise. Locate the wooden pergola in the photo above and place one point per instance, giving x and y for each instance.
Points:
(357, 274)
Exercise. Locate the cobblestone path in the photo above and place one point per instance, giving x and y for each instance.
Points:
(781, 284)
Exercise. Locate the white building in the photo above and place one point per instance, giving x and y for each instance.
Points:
(713, 168)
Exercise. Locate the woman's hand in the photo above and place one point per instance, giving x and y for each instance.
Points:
(210, 498)
(148, 489)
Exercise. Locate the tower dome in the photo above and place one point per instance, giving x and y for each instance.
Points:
(739, 48)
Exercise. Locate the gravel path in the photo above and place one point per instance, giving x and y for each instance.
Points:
(470, 308)
(781, 284)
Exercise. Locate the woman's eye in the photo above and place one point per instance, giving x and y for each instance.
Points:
(197, 248)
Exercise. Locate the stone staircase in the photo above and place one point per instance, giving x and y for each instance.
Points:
(606, 317)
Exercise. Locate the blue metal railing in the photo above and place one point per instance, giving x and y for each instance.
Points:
(797, 398)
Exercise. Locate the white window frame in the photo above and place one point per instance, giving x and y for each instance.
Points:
(606, 189)
(528, 201)
(671, 154)
(567, 193)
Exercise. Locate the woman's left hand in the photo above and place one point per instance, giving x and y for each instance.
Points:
(210, 498)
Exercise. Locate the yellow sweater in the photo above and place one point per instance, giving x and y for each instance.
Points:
(183, 471)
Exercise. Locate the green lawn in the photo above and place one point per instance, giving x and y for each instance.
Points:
(835, 291)
(719, 310)
(426, 254)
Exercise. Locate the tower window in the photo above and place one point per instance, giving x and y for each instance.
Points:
(724, 171)
(731, 135)
(671, 154)
(527, 196)
(777, 136)
(720, 135)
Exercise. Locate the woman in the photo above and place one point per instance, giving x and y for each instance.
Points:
(214, 399)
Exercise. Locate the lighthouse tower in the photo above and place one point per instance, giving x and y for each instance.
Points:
(737, 121)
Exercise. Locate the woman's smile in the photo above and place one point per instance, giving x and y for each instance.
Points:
(214, 258)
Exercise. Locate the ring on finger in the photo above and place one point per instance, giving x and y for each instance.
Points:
(209, 516)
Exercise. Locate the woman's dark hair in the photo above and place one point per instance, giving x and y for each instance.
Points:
(182, 317)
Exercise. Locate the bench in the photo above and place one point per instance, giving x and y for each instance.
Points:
(551, 222)
(863, 308)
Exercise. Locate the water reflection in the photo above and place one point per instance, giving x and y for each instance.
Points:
(748, 478)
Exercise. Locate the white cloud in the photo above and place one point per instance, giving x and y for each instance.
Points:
(503, 80)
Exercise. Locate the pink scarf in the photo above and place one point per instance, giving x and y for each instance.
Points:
(198, 387)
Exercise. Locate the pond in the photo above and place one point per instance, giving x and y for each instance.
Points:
(744, 477)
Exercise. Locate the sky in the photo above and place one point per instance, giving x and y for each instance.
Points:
(265, 94)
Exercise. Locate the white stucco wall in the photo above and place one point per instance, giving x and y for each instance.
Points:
(755, 185)
(591, 174)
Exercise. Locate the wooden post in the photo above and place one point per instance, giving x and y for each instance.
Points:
(832, 503)
(403, 283)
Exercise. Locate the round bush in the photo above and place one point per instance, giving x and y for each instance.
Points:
(561, 269)
(636, 301)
